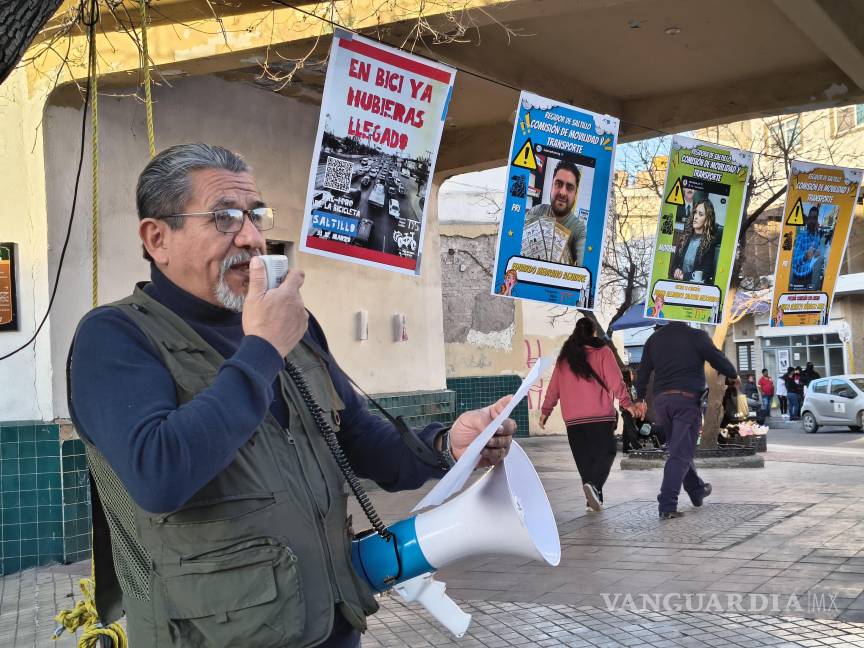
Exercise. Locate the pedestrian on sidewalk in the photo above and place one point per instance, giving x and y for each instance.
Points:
(766, 391)
(795, 393)
(676, 354)
(586, 378)
(781, 394)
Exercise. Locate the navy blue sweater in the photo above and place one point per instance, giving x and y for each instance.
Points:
(123, 400)
(677, 354)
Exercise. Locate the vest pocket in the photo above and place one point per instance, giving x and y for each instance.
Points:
(246, 594)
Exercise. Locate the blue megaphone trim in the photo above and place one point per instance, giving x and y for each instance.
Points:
(383, 563)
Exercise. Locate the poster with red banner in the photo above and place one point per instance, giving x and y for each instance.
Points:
(382, 114)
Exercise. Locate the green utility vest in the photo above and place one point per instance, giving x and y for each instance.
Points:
(258, 558)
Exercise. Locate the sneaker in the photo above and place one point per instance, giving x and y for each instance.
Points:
(698, 499)
(669, 515)
(588, 508)
(592, 497)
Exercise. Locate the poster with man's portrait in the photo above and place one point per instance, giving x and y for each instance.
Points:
(550, 244)
(700, 216)
(817, 221)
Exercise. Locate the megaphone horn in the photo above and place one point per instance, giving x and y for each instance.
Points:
(505, 512)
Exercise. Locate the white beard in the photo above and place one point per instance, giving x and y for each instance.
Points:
(224, 295)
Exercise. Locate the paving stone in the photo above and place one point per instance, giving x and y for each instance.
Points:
(808, 541)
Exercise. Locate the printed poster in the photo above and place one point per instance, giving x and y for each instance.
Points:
(550, 245)
(382, 113)
(8, 300)
(697, 232)
(818, 213)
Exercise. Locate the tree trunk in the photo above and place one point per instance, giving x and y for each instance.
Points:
(20, 21)
(716, 381)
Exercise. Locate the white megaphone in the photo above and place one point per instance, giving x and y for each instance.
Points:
(505, 512)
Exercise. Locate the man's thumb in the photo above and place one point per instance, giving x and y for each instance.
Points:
(257, 277)
(497, 407)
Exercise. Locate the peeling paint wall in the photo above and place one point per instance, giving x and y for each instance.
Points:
(489, 335)
(469, 307)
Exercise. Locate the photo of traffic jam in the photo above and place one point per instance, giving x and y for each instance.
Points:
(368, 199)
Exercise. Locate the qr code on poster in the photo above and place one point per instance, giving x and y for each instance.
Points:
(337, 175)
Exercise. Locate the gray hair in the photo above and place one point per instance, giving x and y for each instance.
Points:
(164, 185)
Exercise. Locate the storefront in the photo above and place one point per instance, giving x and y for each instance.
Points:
(818, 344)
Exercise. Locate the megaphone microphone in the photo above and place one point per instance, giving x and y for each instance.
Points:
(505, 512)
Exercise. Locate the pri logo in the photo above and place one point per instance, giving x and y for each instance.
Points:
(667, 227)
(517, 186)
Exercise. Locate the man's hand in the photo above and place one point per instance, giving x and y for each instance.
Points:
(470, 424)
(276, 315)
(543, 419)
(640, 409)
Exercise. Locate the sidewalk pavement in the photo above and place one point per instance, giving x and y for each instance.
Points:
(774, 557)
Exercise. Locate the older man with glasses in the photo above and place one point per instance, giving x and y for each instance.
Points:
(219, 513)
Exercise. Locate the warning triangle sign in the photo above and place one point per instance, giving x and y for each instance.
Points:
(525, 157)
(676, 196)
(796, 216)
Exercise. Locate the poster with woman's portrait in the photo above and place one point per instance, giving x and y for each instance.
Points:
(697, 231)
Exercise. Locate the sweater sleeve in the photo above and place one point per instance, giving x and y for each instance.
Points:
(715, 357)
(613, 378)
(552, 392)
(372, 444)
(124, 401)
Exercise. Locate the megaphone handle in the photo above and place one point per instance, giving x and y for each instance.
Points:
(429, 593)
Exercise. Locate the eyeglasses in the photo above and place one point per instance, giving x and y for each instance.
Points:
(229, 221)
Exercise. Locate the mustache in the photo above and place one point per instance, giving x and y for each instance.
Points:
(244, 256)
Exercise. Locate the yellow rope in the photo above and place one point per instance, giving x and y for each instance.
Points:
(145, 64)
(94, 127)
(84, 615)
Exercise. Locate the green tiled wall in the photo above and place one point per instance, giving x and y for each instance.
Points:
(418, 408)
(76, 501)
(476, 392)
(36, 495)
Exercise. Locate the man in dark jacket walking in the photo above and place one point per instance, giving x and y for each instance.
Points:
(676, 355)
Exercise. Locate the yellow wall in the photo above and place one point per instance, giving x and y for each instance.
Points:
(25, 377)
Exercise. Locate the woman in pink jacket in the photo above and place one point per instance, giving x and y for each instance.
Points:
(587, 378)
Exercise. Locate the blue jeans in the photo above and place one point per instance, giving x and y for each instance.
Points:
(681, 419)
(794, 405)
(766, 404)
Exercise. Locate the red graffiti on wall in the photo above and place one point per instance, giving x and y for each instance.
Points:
(536, 390)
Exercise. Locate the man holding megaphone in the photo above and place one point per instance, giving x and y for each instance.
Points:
(214, 419)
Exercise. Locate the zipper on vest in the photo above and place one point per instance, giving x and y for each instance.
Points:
(319, 517)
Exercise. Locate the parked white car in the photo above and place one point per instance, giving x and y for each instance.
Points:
(837, 400)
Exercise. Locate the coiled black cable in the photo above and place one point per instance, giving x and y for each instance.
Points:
(336, 450)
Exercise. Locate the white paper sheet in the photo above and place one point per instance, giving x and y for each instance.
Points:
(456, 477)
